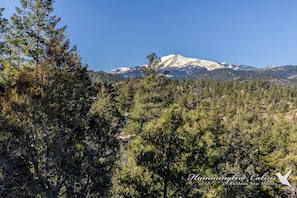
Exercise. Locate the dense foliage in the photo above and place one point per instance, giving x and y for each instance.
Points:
(206, 127)
(69, 132)
(53, 144)
(103, 77)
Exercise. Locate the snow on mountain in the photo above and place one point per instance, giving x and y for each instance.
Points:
(180, 66)
(127, 71)
(175, 60)
(120, 70)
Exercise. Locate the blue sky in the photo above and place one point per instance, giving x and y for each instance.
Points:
(116, 33)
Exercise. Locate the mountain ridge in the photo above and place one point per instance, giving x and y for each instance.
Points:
(180, 66)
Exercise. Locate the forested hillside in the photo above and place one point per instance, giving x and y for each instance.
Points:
(68, 132)
(103, 77)
(206, 127)
(284, 75)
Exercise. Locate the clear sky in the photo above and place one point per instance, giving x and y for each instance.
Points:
(116, 33)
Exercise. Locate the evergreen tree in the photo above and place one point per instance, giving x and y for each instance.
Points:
(29, 31)
(153, 94)
(35, 26)
(3, 29)
(153, 67)
(165, 144)
(125, 94)
(53, 146)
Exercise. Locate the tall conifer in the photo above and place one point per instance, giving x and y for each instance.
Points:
(29, 31)
(54, 147)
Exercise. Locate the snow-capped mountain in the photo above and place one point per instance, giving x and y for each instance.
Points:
(178, 61)
(180, 66)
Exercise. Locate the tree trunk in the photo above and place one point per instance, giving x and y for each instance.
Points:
(165, 187)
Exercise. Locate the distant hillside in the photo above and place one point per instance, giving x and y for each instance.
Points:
(103, 77)
(287, 71)
(285, 75)
(225, 74)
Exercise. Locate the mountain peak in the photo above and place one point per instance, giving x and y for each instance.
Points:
(179, 61)
(121, 70)
(180, 66)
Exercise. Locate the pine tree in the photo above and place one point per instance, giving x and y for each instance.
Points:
(35, 26)
(165, 145)
(53, 146)
(153, 67)
(3, 29)
(29, 31)
(153, 94)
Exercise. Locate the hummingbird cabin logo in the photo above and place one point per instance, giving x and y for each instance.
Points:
(284, 179)
(242, 179)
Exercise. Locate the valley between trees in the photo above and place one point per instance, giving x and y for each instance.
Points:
(60, 124)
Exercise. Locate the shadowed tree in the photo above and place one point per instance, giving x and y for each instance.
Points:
(52, 145)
